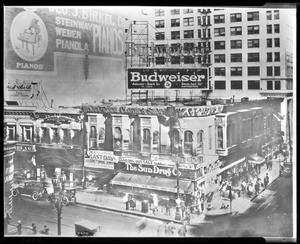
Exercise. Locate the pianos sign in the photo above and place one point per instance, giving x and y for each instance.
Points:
(164, 78)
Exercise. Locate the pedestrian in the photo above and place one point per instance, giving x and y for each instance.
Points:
(266, 180)
(19, 227)
(257, 187)
(45, 230)
(126, 201)
(160, 231)
(183, 208)
(182, 230)
(6, 223)
(243, 185)
(63, 179)
(249, 190)
(169, 229)
(271, 164)
(168, 208)
(33, 228)
(281, 168)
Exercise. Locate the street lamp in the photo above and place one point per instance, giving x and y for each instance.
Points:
(177, 213)
(59, 201)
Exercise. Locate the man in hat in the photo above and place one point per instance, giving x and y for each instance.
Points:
(45, 230)
(33, 228)
(266, 180)
(63, 179)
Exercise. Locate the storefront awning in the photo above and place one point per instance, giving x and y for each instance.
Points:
(232, 164)
(254, 158)
(153, 183)
(133, 180)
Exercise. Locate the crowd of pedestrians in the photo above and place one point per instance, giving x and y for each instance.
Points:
(168, 229)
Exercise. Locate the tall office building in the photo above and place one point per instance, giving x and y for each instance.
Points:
(249, 51)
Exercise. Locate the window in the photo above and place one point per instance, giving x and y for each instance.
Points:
(276, 28)
(277, 85)
(188, 59)
(277, 56)
(188, 142)
(160, 36)
(277, 71)
(175, 22)
(159, 24)
(269, 71)
(269, 85)
(160, 48)
(236, 44)
(236, 84)
(160, 60)
(210, 136)
(188, 46)
(27, 133)
(276, 14)
(146, 136)
(231, 134)
(219, 45)
(253, 43)
(199, 33)
(200, 144)
(206, 33)
(93, 137)
(159, 12)
(219, 19)
(220, 71)
(188, 34)
(251, 16)
(235, 31)
(269, 29)
(175, 11)
(253, 84)
(236, 71)
(220, 137)
(236, 57)
(236, 17)
(175, 35)
(65, 135)
(220, 84)
(253, 29)
(269, 42)
(253, 57)
(176, 137)
(219, 31)
(101, 135)
(188, 21)
(253, 70)
(276, 42)
(175, 60)
(188, 11)
(11, 132)
(269, 57)
(219, 58)
(269, 15)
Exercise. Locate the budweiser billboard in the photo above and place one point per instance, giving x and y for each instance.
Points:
(167, 78)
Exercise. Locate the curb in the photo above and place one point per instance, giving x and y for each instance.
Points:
(264, 189)
(129, 213)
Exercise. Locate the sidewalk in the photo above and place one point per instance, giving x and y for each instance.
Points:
(105, 201)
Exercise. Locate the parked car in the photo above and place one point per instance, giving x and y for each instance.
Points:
(35, 189)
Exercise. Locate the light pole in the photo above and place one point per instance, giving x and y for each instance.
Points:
(59, 201)
(177, 213)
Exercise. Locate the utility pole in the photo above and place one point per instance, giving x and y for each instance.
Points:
(59, 201)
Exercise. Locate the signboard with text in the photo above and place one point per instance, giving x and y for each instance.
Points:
(20, 90)
(34, 35)
(101, 159)
(167, 78)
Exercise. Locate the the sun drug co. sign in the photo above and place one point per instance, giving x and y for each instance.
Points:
(164, 78)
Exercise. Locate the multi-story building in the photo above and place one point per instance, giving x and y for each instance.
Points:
(248, 51)
(142, 149)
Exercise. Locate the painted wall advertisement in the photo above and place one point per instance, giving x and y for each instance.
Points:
(33, 35)
(164, 78)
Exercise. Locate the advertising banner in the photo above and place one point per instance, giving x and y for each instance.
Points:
(16, 90)
(33, 35)
(164, 78)
(101, 159)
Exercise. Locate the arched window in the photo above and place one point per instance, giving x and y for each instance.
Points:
(220, 136)
(93, 137)
(101, 135)
(188, 142)
(146, 136)
(118, 137)
(200, 141)
(155, 137)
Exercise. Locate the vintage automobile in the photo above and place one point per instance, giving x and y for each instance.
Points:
(87, 228)
(70, 194)
(32, 188)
